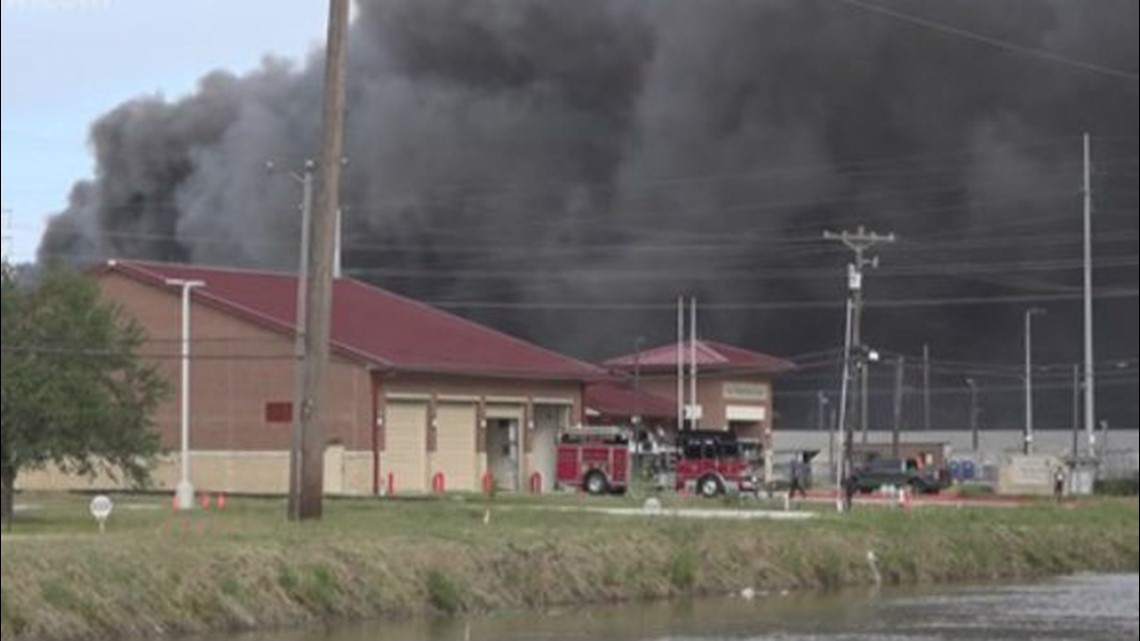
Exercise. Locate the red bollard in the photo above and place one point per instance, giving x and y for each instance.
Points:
(205, 500)
(536, 483)
(488, 483)
(391, 484)
(438, 483)
(221, 500)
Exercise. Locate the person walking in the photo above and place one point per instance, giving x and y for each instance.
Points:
(1058, 483)
(797, 484)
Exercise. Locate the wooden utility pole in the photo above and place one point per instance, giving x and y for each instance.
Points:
(858, 242)
(318, 289)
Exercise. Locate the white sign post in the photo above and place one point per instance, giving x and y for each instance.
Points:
(101, 507)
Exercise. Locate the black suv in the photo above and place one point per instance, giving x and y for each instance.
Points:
(879, 472)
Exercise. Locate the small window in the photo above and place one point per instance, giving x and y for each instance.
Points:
(729, 449)
(279, 412)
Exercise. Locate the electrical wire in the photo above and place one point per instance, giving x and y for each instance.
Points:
(994, 42)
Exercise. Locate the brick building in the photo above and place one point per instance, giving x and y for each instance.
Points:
(734, 386)
(412, 391)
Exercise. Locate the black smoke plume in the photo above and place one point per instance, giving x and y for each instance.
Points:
(538, 154)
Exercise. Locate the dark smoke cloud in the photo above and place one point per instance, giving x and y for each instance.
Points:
(595, 151)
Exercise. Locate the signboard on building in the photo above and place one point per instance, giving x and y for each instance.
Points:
(746, 391)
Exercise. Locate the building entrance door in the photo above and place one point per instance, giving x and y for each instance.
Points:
(503, 452)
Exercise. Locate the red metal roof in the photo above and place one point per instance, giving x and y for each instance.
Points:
(371, 324)
(711, 356)
(615, 399)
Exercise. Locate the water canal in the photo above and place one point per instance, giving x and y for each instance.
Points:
(1091, 607)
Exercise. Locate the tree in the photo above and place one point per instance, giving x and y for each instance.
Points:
(75, 392)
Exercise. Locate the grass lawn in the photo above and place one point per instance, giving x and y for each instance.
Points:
(158, 571)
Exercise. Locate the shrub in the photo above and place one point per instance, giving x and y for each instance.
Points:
(683, 568)
(1118, 487)
(443, 593)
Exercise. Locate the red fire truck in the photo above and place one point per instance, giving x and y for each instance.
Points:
(595, 459)
(711, 462)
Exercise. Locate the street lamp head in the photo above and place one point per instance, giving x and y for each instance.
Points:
(182, 282)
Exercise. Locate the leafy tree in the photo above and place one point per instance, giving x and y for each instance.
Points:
(75, 392)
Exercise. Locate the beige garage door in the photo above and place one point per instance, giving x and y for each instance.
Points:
(405, 446)
(455, 445)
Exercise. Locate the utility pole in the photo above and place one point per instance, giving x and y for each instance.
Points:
(973, 414)
(305, 178)
(318, 293)
(833, 425)
(336, 246)
(184, 491)
(900, 372)
(1029, 314)
(864, 405)
(1090, 400)
(844, 439)
(926, 387)
(1076, 407)
(858, 242)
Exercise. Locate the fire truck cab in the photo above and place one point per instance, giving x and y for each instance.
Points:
(594, 459)
(713, 462)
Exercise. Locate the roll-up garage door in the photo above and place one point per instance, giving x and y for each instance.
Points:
(405, 445)
(455, 445)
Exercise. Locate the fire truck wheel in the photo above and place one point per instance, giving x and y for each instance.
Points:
(596, 483)
(709, 486)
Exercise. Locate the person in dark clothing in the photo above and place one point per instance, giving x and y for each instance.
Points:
(797, 484)
(1058, 484)
(850, 487)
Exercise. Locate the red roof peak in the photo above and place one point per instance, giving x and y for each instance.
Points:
(371, 324)
(710, 355)
(621, 400)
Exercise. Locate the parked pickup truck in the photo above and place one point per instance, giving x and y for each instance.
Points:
(880, 472)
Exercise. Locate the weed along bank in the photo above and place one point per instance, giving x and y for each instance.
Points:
(419, 399)
(158, 573)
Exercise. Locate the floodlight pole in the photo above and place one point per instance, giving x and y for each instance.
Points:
(1029, 314)
(1090, 387)
(184, 491)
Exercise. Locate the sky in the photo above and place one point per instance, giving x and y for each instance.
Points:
(65, 62)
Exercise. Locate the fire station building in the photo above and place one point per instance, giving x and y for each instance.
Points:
(734, 387)
(413, 393)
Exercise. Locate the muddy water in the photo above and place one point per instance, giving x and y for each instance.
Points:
(1086, 607)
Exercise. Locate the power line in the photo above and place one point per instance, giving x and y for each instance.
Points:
(586, 306)
(995, 42)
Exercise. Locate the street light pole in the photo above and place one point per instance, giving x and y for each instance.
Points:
(184, 491)
(1029, 314)
(305, 179)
